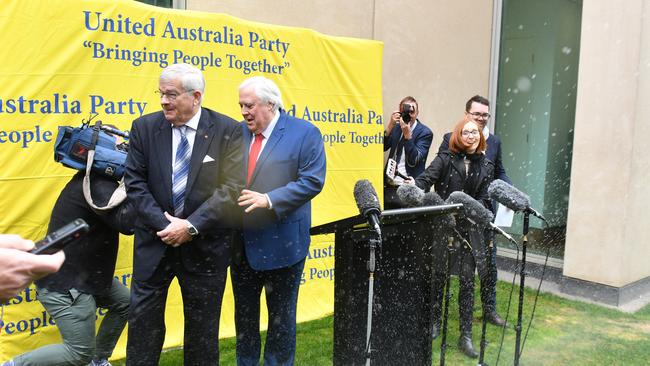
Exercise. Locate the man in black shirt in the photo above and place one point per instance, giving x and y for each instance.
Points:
(85, 281)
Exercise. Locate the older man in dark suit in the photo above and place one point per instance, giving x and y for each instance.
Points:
(284, 166)
(182, 174)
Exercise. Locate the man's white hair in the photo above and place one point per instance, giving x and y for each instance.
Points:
(265, 89)
(191, 78)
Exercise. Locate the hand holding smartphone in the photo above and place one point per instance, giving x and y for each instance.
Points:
(57, 240)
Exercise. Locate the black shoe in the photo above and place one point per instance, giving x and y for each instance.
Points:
(494, 318)
(435, 331)
(465, 345)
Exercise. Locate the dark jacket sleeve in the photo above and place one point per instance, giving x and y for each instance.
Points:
(499, 170)
(310, 177)
(390, 140)
(149, 211)
(431, 174)
(482, 193)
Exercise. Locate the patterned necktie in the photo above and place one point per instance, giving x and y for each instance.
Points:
(181, 169)
(253, 155)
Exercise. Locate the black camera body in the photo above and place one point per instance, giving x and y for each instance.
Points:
(406, 112)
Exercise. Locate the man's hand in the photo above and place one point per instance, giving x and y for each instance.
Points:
(175, 234)
(394, 119)
(253, 200)
(409, 180)
(406, 129)
(11, 241)
(18, 268)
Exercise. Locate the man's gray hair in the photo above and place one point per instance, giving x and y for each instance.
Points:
(265, 89)
(191, 78)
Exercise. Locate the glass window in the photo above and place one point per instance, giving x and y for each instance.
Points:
(161, 3)
(535, 109)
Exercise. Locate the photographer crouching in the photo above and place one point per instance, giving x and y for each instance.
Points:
(408, 140)
(85, 281)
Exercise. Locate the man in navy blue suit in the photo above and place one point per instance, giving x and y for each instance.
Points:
(409, 143)
(182, 175)
(477, 109)
(284, 168)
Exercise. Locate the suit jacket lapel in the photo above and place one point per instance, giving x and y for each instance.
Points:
(246, 144)
(276, 136)
(202, 139)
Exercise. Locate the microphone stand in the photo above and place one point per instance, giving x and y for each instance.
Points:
(484, 322)
(373, 244)
(445, 315)
(522, 275)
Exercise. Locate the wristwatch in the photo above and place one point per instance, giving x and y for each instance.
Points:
(191, 229)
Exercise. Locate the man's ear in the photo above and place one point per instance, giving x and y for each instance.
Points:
(197, 96)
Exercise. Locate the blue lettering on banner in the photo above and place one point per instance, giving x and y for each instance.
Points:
(25, 137)
(32, 325)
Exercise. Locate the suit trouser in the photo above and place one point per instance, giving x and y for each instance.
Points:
(281, 290)
(202, 294)
(74, 314)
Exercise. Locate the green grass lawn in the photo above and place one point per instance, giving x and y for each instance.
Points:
(564, 332)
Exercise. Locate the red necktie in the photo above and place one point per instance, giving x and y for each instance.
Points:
(252, 156)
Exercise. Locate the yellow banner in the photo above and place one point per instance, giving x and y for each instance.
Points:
(64, 60)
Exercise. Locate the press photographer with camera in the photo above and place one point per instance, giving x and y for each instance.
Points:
(85, 281)
(408, 140)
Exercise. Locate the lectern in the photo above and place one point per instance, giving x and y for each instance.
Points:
(401, 325)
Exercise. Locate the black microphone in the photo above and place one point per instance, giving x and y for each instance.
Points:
(368, 203)
(433, 199)
(473, 210)
(512, 198)
(477, 213)
(410, 195)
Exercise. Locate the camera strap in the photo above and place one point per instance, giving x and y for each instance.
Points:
(118, 196)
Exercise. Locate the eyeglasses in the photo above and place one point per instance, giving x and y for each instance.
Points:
(472, 132)
(480, 115)
(171, 96)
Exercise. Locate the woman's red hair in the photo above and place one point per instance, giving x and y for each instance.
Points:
(456, 143)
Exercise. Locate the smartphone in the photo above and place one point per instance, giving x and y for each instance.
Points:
(57, 240)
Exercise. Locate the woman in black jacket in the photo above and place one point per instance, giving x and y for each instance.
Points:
(465, 168)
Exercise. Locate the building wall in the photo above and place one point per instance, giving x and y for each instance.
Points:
(608, 224)
(437, 51)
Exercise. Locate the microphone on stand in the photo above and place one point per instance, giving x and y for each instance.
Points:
(433, 199)
(516, 200)
(512, 198)
(368, 203)
(477, 213)
(413, 196)
(410, 195)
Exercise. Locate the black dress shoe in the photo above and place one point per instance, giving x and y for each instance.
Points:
(494, 318)
(465, 345)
